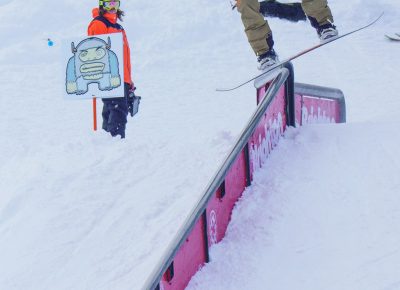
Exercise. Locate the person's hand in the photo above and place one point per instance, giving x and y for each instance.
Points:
(131, 99)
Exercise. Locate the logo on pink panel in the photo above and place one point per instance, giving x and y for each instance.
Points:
(213, 227)
(273, 130)
(315, 116)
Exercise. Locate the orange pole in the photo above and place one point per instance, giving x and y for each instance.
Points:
(94, 115)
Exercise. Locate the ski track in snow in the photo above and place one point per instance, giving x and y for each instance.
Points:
(81, 210)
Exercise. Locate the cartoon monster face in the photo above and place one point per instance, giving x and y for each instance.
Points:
(93, 62)
(94, 53)
(92, 59)
(92, 67)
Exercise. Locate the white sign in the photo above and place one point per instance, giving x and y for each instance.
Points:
(94, 67)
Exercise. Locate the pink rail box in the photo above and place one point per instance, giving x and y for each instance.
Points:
(301, 103)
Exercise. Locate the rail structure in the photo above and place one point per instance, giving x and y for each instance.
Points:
(281, 103)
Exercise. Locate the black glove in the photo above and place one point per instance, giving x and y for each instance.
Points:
(131, 99)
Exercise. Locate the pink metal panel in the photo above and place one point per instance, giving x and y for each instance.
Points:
(192, 254)
(298, 99)
(268, 132)
(220, 207)
(189, 259)
(320, 110)
(211, 228)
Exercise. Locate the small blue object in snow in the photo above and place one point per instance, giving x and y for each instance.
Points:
(50, 42)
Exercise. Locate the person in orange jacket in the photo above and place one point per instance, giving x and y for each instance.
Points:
(115, 110)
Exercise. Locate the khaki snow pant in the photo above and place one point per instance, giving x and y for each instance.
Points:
(257, 28)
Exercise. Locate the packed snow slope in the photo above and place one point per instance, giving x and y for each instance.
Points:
(323, 214)
(81, 210)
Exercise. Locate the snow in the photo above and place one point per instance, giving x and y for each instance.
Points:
(329, 225)
(82, 210)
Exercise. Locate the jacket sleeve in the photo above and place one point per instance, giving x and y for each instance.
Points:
(127, 64)
(97, 27)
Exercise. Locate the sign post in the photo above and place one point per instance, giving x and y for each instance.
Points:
(94, 114)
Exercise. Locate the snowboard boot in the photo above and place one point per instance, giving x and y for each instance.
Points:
(327, 31)
(267, 59)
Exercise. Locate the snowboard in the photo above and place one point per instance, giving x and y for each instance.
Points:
(281, 63)
(394, 37)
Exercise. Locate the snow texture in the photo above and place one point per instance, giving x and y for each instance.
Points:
(82, 210)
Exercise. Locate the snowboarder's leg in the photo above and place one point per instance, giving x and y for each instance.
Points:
(318, 12)
(320, 16)
(255, 26)
(258, 32)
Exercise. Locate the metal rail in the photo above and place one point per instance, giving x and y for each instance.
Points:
(187, 226)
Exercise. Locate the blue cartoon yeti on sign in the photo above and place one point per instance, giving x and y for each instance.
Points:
(93, 62)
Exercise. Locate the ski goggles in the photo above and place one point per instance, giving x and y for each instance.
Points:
(109, 5)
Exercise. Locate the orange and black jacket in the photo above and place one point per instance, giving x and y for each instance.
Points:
(108, 24)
